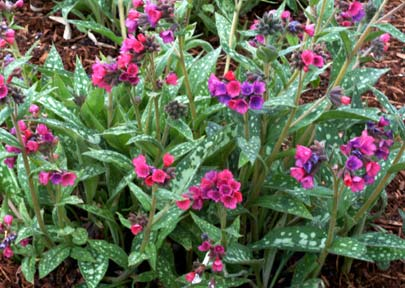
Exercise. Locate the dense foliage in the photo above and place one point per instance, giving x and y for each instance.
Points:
(187, 172)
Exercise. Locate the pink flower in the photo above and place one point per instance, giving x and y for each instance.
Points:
(310, 29)
(372, 169)
(239, 105)
(219, 250)
(44, 177)
(385, 38)
(137, 3)
(184, 204)
(3, 89)
(307, 57)
(190, 276)
(8, 220)
(167, 36)
(230, 75)
(19, 4)
(345, 100)
(34, 109)
(154, 15)
(307, 182)
(347, 179)
(171, 79)
(32, 146)
(42, 129)
(354, 8)
(25, 242)
(68, 179)
(140, 160)
(303, 154)
(233, 88)
(357, 184)
(159, 176)
(123, 60)
(136, 229)
(297, 173)
(205, 246)
(149, 181)
(22, 125)
(217, 265)
(285, 15)
(9, 36)
(318, 61)
(142, 170)
(10, 162)
(8, 252)
(364, 143)
(168, 160)
(229, 202)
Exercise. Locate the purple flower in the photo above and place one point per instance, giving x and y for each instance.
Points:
(56, 178)
(353, 163)
(256, 102)
(167, 36)
(246, 88)
(259, 87)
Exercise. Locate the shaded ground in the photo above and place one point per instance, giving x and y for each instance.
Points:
(37, 26)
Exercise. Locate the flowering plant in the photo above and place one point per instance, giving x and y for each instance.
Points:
(132, 158)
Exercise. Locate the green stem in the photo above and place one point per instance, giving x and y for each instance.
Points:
(376, 193)
(320, 16)
(347, 264)
(148, 229)
(110, 109)
(157, 117)
(137, 114)
(59, 208)
(222, 220)
(121, 12)
(165, 135)
(332, 224)
(186, 80)
(235, 21)
(34, 197)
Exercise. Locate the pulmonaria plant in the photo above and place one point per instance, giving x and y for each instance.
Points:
(238, 96)
(215, 186)
(213, 258)
(363, 152)
(152, 175)
(8, 236)
(138, 222)
(6, 35)
(307, 163)
(64, 178)
(352, 13)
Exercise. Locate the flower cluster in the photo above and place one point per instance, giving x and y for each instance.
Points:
(6, 35)
(236, 95)
(362, 154)
(307, 163)
(380, 45)
(354, 13)
(337, 97)
(8, 238)
(215, 186)
(64, 178)
(309, 57)
(138, 221)
(214, 256)
(3, 88)
(40, 140)
(152, 175)
(269, 24)
(11, 5)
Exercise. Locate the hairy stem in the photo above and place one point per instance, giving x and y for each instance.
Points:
(235, 21)
(148, 229)
(110, 109)
(121, 12)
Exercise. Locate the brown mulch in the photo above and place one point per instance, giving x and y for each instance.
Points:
(38, 26)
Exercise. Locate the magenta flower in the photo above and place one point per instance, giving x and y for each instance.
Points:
(233, 88)
(318, 61)
(159, 176)
(307, 182)
(168, 160)
(3, 88)
(32, 146)
(364, 143)
(68, 179)
(205, 246)
(303, 154)
(136, 229)
(34, 109)
(171, 79)
(184, 204)
(8, 220)
(217, 265)
(239, 105)
(285, 15)
(43, 177)
(153, 14)
(297, 173)
(10, 162)
(310, 29)
(307, 57)
(357, 184)
(8, 252)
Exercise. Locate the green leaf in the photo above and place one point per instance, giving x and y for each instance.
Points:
(147, 139)
(112, 157)
(151, 253)
(101, 212)
(81, 254)
(304, 267)
(238, 254)
(250, 148)
(380, 239)
(28, 268)
(284, 203)
(93, 272)
(397, 167)
(181, 127)
(60, 109)
(201, 70)
(85, 26)
(111, 251)
(53, 61)
(51, 259)
(143, 198)
(81, 80)
(349, 247)
(213, 232)
(362, 78)
(15, 64)
(299, 238)
(136, 258)
(80, 236)
(224, 28)
(8, 138)
(351, 113)
(385, 253)
(393, 31)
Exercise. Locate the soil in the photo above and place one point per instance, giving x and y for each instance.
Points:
(38, 26)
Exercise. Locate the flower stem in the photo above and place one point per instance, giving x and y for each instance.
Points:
(332, 224)
(34, 198)
(320, 16)
(148, 229)
(222, 220)
(186, 80)
(121, 12)
(235, 20)
(157, 117)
